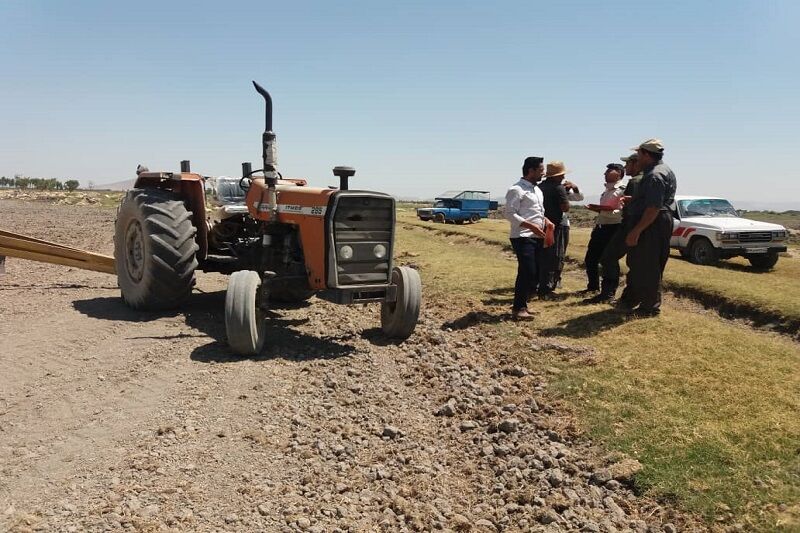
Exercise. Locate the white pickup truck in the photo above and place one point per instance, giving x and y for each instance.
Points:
(708, 229)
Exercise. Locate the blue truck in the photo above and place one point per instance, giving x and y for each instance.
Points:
(458, 207)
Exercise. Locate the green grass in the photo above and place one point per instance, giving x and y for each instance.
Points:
(710, 408)
(776, 293)
(789, 219)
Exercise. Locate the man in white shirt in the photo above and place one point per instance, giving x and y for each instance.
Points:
(607, 223)
(525, 211)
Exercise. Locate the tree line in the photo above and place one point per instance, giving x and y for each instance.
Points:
(40, 184)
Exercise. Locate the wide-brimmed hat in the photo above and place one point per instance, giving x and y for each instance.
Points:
(555, 168)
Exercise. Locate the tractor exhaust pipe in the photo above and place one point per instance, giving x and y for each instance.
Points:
(269, 153)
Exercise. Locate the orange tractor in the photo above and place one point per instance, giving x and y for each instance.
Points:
(280, 240)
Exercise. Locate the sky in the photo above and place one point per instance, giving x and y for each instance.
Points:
(420, 97)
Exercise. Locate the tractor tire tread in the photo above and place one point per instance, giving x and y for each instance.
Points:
(169, 270)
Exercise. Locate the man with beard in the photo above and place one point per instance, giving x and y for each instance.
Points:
(525, 211)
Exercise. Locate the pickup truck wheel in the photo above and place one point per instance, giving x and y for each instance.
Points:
(399, 318)
(702, 252)
(763, 261)
(474, 217)
(439, 217)
(684, 252)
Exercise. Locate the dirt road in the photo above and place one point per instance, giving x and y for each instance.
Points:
(111, 419)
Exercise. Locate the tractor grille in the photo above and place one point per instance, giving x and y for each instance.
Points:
(755, 236)
(364, 224)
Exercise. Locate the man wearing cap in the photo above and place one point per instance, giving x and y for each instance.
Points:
(525, 211)
(650, 229)
(556, 204)
(616, 248)
(609, 217)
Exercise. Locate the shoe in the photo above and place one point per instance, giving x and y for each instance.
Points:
(644, 313)
(599, 299)
(522, 314)
(622, 306)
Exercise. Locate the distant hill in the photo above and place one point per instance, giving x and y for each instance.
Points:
(117, 185)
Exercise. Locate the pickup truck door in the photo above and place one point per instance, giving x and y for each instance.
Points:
(677, 229)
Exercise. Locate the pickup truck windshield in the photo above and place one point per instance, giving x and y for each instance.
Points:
(706, 207)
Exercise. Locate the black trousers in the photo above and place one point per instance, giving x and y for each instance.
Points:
(615, 250)
(601, 236)
(646, 262)
(527, 251)
(551, 264)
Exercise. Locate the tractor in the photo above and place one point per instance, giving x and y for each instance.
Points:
(279, 239)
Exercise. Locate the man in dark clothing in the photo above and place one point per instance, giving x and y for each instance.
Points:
(616, 249)
(556, 203)
(650, 229)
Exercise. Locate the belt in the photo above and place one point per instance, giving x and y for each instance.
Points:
(606, 225)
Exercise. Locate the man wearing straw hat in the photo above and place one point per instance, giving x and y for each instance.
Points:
(556, 204)
(650, 229)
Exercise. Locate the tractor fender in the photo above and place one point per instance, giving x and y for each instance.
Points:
(190, 187)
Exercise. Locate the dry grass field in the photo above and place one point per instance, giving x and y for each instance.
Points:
(708, 405)
(110, 419)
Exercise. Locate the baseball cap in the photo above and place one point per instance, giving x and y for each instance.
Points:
(654, 146)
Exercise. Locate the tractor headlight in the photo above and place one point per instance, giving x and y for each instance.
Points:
(379, 251)
(346, 252)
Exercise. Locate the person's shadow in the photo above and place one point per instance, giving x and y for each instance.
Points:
(586, 325)
(205, 313)
(475, 318)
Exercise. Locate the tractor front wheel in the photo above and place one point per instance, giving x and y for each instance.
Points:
(399, 318)
(245, 322)
(154, 249)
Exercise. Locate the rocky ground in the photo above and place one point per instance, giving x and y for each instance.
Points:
(115, 420)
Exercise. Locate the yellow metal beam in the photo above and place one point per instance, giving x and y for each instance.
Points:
(24, 247)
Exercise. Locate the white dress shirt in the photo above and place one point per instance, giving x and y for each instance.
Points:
(524, 202)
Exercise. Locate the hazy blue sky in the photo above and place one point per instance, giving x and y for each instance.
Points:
(420, 97)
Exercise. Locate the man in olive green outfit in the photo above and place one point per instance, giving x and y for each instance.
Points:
(616, 247)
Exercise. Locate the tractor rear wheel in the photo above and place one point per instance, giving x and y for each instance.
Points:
(399, 318)
(154, 249)
(245, 322)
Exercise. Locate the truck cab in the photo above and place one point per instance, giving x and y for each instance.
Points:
(458, 207)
